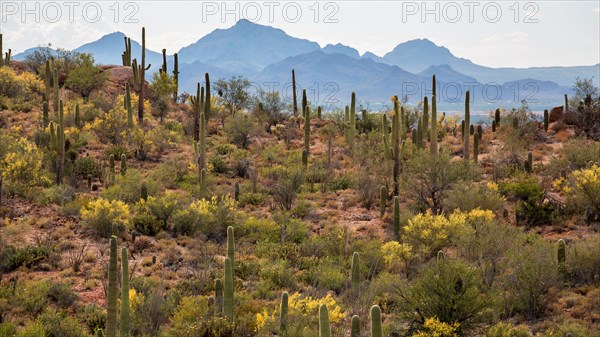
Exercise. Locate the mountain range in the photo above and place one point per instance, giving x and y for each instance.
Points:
(266, 56)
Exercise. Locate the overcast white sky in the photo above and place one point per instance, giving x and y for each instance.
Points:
(491, 33)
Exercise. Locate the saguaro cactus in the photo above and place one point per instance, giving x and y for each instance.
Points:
(433, 145)
(207, 97)
(124, 320)
(219, 297)
(319, 112)
(283, 313)
(231, 245)
(142, 76)
(347, 124)
(324, 328)
(397, 132)
(294, 95)
(352, 121)
(175, 76)
(56, 94)
(163, 69)
(203, 184)
(467, 124)
(306, 112)
(382, 200)
(376, 330)
(228, 290)
(47, 81)
(425, 117)
(123, 164)
(127, 53)
(57, 140)
(355, 329)
(546, 120)
(77, 116)
(396, 218)
(529, 162)
(236, 191)
(566, 107)
(111, 301)
(355, 270)
(475, 146)
(497, 117)
(45, 117)
(561, 255)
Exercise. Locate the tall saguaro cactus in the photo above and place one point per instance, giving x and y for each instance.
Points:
(324, 328)
(355, 270)
(294, 95)
(231, 245)
(425, 117)
(306, 112)
(382, 200)
(127, 53)
(219, 297)
(228, 290)
(111, 301)
(376, 330)
(142, 76)
(56, 94)
(476, 146)
(467, 124)
(397, 132)
(124, 319)
(433, 145)
(283, 313)
(207, 96)
(352, 126)
(57, 140)
(175, 76)
(546, 120)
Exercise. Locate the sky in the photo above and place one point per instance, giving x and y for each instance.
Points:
(490, 33)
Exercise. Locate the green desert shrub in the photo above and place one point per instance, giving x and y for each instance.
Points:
(467, 197)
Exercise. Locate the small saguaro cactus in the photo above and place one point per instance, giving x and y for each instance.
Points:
(529, 163)
(355, 329)
(319, 112)
(480, 131)
(163, 69)
(324, 328)
(203, 185)
(396, 218)
(124, 319)
(304, 158)
(89, 182)
(45, 117)
(304, 102)
(77, 116)
(56, 94)
(111, 301)
(144, 191)
(306, 112)
(231, 245)
(352, 121)
(471, 129)
(561, 256)
(425, 116)
(467, 121)
(228, 290)
(294, 94)
(419, 133)
(47, 81)
(355, 270)
(497, 117)
(475, 146)
(236, 191)
(347, 124)
(376, 330)
(566, 107)
(546, 120)
(283, 313)
(493, 126)
(219, 297)
(123, 164)
(175, 76)
(382, 200)
(207, 96)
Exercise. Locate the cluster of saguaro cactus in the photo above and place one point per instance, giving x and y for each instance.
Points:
(4, 57)
(126, 56)
(139, 77)
(197, 110)
(467, 123)
(546, 120)
(112, 293)
(200, 105)
(57, 142)
(392, 150)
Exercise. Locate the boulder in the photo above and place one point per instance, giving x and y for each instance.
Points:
(555, 114)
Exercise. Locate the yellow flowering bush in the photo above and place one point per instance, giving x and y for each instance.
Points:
(111, 127)
(434, 328)
(395, 254)
(427, 233)
(20, 163)
(302, 312)
(101, 214)
(582, 190)
(211, 215)
(187, 318)
(23, 84)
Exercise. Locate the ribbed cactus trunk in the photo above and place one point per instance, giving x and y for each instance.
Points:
(142, 76)
(123, 164)
(294, 95)
(376, 330)
(562, 258)
(231, 245)
(475, 146)
(45, 115)
(164, 65)
(382, 200)
(546, 120)
(228, 290)
(355, 270)
(111, 301)
(203, 184)
(352, 121)
(128, 106)
(283, 314)
(425, 117)
(324, 328)
(419, 134)
(347, 124)
(497, 117)
(77, 117)
(236, 191)
(56, 94)
(396, 219)
(433, 145)
(396, 134)
(306, 112)
(355, 329)
(124, 321)
(566, 107)
(219, 297)
(175, 76)
(207, 103)
(319, 112)
(467, 124)
(47, 81)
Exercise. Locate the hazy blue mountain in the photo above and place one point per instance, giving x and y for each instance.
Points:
(22, 55)
(191, 74)
(445, 73)
(257, 44)
(341, 49)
